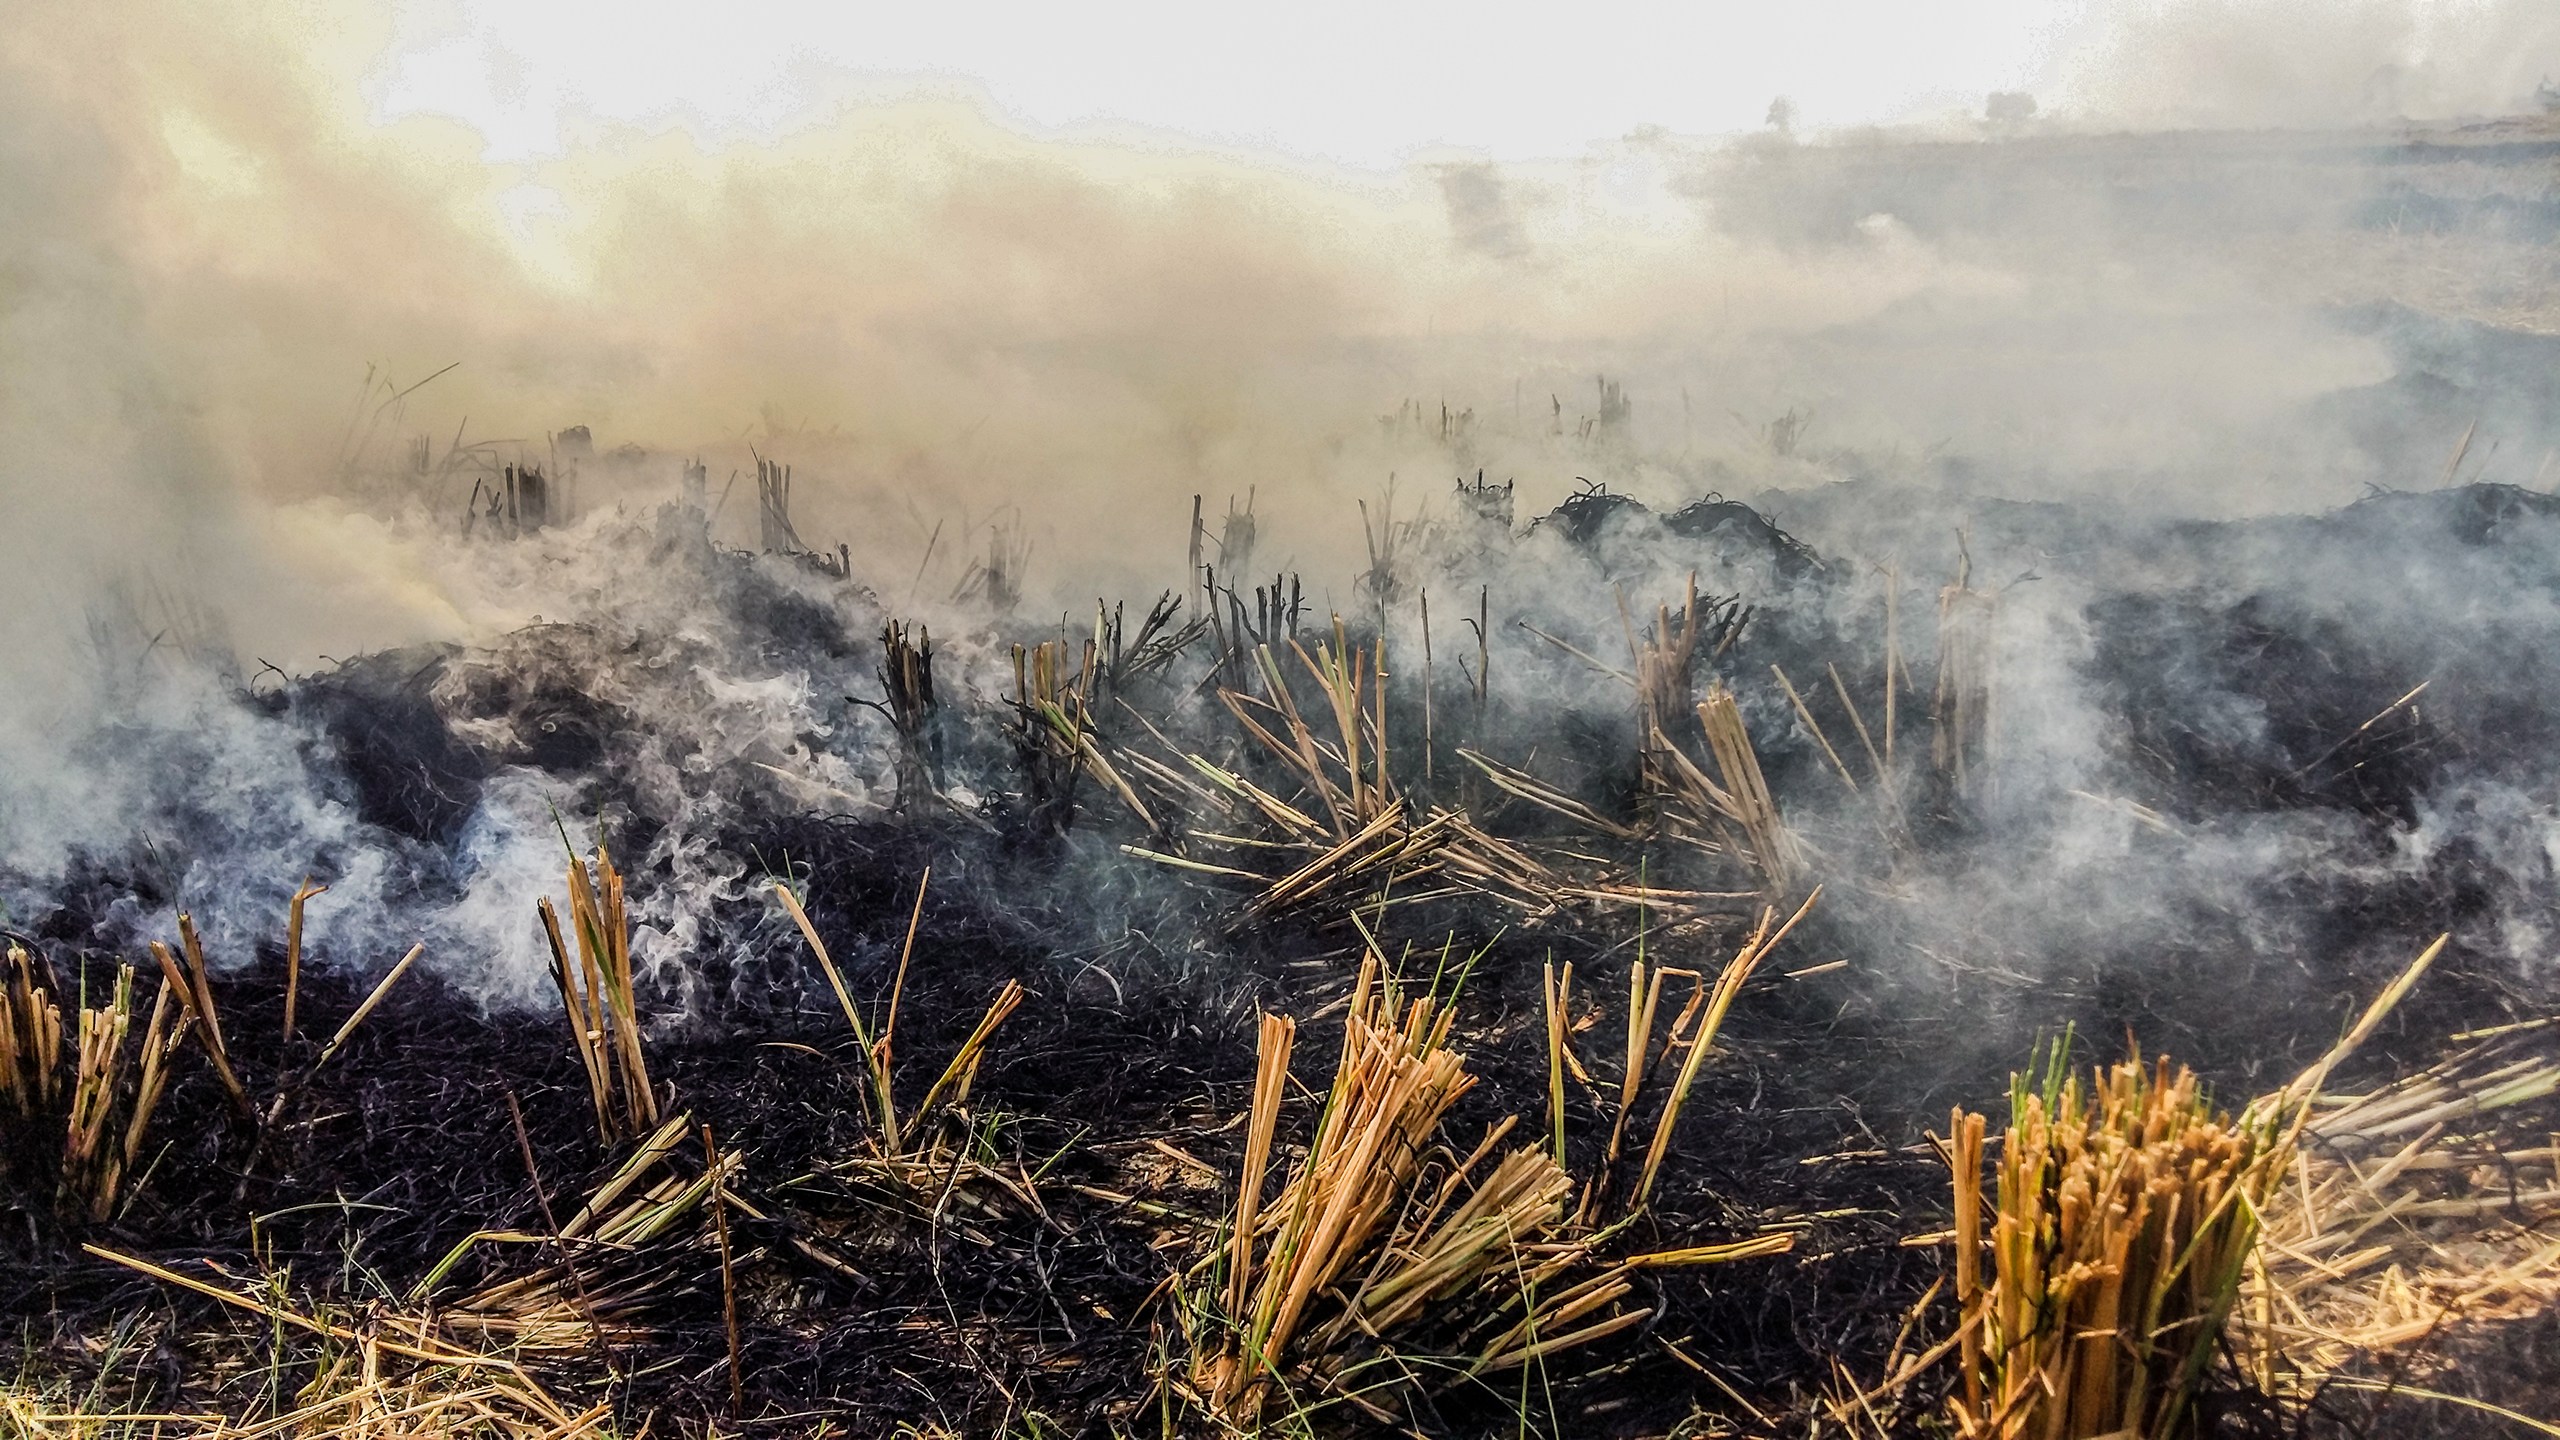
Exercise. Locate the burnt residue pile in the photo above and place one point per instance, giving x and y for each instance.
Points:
(2206, 783)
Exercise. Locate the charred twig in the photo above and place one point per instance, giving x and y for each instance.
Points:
(774, 530)
(906, 680)
(1805, 713)
(2353, 735)
(728, 1278)
(997, 580)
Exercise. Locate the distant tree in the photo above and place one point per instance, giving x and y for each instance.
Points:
(1782, 115)
(2009, 107)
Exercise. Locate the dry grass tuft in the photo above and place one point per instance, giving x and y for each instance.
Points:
(1665, 660)
(1347, 771)
(645, 1234)
(596, 991)
(1054, 733)
(376, 1375)
(96, 1154)
(2424, 1202)
(1389, 1260)
(1744, 797)
(911, 1148)
(2126, 1215)
(1361, 1237)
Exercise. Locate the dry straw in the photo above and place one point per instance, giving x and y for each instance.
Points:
(1346, 772)
(637, 1243)
(596, 991)
(30, 1039)
(1383, 1237)
(195, 994)
(1664, 661)
(2126, 1213)
(2423, 1202)
(382, 1376)
(1736, 973)
(92, 1162)
(96, 1153)
(905, 1141)
(2129, 1217)
(1395, 1080)
(2413, 1205)
(1054, 733)
(302, 895)
(1962, 707)
(1744, 797)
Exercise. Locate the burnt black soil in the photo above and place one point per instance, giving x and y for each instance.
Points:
(982, 1319)
(1131, 1055)
(405, 1144)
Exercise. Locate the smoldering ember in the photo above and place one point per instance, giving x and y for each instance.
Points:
(1973, 857)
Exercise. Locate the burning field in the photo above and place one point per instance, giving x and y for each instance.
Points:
(1580, 1004)
(1860, 785)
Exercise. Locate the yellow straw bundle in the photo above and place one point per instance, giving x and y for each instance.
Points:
(1382, 1229)
(2126, 1213)
(30, 1038)
(604, 1025)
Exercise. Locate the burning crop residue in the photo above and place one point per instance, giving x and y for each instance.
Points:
(1004, 1127)
(1066, 878)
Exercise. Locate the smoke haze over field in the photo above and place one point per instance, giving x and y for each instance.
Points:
(981, 315)
(220, 278)
(1371, 86)
(2308, 63)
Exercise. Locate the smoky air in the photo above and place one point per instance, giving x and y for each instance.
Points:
(1001, 670)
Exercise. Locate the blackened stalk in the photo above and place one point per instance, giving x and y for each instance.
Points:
(728, 1276)
(559, 1246)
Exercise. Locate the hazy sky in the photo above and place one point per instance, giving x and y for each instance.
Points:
(1366, 84)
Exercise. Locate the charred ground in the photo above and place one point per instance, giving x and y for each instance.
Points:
(2279, 825)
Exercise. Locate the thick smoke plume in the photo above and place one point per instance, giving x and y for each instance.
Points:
(256, 353)
(2308, 63)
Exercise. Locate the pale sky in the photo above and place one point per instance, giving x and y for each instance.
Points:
(1363, 84)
